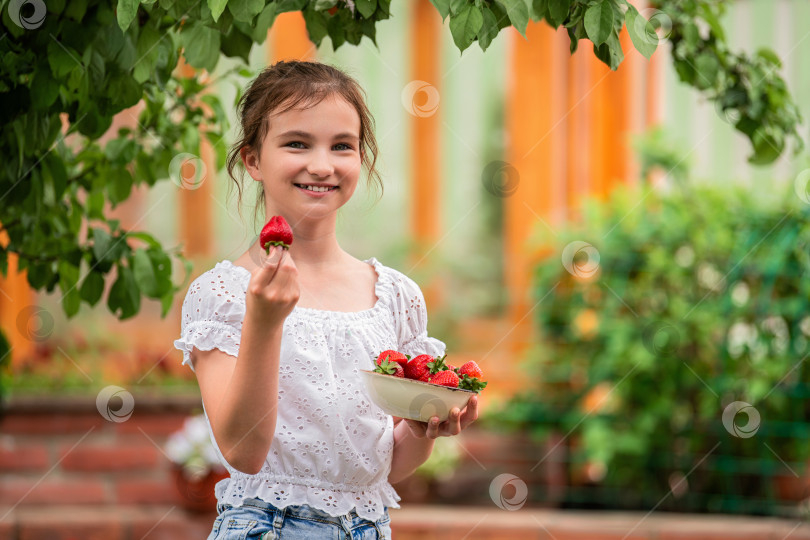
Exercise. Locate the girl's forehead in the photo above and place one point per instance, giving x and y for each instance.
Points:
(333, 108)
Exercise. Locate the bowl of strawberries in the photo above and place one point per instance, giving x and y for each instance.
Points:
(422, 386)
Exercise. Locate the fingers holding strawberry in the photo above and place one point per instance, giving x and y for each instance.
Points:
(273, 290)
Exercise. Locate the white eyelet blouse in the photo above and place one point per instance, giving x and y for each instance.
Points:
(333, 446)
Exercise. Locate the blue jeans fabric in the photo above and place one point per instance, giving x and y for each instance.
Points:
(259, 520)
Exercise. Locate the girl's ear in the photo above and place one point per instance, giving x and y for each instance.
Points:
(251, 161)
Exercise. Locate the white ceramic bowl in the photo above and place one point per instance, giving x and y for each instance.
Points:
(417, 400)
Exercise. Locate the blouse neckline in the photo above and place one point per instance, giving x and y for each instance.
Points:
(314, 313)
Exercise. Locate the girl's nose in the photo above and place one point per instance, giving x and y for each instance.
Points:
(320, 165)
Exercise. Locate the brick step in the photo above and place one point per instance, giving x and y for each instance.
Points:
(411, 522)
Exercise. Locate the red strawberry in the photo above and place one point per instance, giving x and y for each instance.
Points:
(276, 232)
(393, 356)
(390, 368)
(470, 377)
(423, 366)
(418, 368)
(445, 378)
(471, 368)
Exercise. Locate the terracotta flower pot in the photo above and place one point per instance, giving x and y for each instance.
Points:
(197, 495)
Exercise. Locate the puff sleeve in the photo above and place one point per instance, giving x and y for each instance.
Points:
(412, 321)
(212, 316)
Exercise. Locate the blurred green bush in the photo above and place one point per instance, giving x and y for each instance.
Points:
(665, 309)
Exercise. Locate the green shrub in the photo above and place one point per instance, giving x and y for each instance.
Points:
(697, 299)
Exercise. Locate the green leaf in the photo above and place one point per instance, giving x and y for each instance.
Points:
(68, 277)
(324, 5)
(457, 6)
(558, 11)
(443, 7)
(237, 44)
(95, 204)
(610, 52)
(127, 9)
(707, 67)
(768, 145)
(316, 24)
(465, 26)
(75, 9)
(290, 5)
(769, 56)
(92, 288)
(599, 22)
(489, 29)
(263, 23)
(366, 7)
(102, 241)
(201, 45)
(501, 16)
(337, 28)
(217, 7)
(119, 185)
(44, 89)
(124, 299)
(57, 175)
(539, 9)
(709, 16)
(642, 33)
(144, 273)
(518, 13)
(245, 10)
(63, 59)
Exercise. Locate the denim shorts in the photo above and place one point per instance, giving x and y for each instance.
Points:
(259, 520)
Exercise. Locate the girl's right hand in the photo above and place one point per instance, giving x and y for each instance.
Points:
(273, 289)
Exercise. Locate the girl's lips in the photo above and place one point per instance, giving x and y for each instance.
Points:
(316, 194)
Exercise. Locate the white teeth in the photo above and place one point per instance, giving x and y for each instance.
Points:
(314, 188)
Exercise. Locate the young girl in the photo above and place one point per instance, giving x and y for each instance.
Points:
(277, 342)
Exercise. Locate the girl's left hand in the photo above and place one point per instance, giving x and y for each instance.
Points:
(457, 421)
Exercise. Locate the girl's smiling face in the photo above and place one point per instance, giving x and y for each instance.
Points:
(315, 146)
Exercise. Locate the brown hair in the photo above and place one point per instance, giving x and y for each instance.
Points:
(286, 85)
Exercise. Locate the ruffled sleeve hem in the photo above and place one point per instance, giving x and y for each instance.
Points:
(207, 335)
(369, 502)
(423, 344)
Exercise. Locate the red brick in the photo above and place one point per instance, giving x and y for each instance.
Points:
(71, 531)
(109, 458)
(154, 426)
(595, 533)
(173, 524)
(84, 491)
(50, 424)
(8, 526)
(145, 491)
(19, 457)
(70, 523)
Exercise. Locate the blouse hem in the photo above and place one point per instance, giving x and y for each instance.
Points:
(369, 502)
